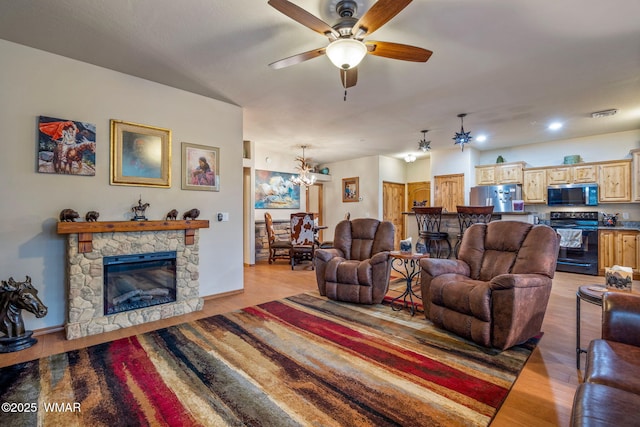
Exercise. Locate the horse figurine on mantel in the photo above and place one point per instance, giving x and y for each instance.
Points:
(14, 297)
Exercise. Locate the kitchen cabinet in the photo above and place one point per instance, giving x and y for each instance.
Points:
(619, 247)
(559, 175)
(635, 176)
(500, 173)
(614, 181)
(509, 173)
(485, 175)
(574, 174)
(585, 174)
(534, 188)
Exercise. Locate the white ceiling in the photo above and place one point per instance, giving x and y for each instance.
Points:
(512, 65)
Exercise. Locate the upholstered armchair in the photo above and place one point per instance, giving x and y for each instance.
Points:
(303, 237)
(357, 268)
(496, 292)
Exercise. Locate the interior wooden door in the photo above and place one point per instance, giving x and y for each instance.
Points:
(418, 192)
(449, 191)
(393, 206)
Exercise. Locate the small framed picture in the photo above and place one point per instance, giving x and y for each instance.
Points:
(140, 155)
(518, 205)
(350, 189)
(200, 167)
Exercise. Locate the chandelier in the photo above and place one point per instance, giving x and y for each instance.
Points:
(462, 137)
(304, 177)
(423, 144)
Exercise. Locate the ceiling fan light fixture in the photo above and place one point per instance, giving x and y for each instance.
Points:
(346, 53)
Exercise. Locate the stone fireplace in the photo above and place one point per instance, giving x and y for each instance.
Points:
(89, 243)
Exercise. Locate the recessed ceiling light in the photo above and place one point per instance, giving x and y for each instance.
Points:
(481, 138)
(555, 126)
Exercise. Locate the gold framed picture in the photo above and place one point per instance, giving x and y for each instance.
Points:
(140, 155)
(200, 167)
(350, 189)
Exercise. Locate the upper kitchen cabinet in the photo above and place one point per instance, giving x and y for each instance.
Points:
(510, 173)
(614, 180)
(559, 175)
(500, 173)
(574, 174)
(635, 177)
(534, 188)
(485, 175)
(583, 174)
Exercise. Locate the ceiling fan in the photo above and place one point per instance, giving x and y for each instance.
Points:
(347, 46)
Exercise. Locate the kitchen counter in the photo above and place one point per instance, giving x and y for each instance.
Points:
(629, 225)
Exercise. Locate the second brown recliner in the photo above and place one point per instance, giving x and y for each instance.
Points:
(496, 292)
(357, 268)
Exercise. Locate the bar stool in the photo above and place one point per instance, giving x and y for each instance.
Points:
(468, 215)
(429, 219)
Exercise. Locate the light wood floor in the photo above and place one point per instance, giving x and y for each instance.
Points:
(542, 395)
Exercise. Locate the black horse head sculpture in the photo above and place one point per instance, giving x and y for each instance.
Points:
(14, 297)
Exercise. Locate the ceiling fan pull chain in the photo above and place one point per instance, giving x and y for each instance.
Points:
(345, 94)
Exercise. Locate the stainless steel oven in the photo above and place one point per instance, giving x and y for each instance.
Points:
(578, 241)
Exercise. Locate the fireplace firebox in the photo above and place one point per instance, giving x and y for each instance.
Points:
(139, 280)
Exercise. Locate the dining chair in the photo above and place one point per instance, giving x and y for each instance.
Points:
(302, 238)
(278, 249)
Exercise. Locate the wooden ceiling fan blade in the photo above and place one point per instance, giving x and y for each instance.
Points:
(349, 77)
(398, 51)
(378, 15)
(296, 59)
(303, 17)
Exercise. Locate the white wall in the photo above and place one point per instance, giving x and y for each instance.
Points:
(34, 83)
(366, 169)
(451, 162)
(420, 170)
(610, 146)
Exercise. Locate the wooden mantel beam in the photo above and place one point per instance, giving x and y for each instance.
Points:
(85, 230)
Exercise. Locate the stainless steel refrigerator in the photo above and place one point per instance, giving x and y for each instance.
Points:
(501, 197)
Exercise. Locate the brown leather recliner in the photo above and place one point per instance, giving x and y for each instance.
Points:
(496, 292)
(611, 387)
(357, 268)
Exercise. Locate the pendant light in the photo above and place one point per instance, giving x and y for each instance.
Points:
(423, 144)
(462, 137)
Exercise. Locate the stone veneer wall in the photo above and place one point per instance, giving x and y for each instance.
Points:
(281, 228)
(85, 271)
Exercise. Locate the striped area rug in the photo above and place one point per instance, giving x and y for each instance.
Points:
(300, 361)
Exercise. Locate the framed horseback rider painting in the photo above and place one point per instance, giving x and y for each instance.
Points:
(66, 146)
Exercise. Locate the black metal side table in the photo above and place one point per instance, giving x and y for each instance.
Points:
(592, 295)
(408, 265)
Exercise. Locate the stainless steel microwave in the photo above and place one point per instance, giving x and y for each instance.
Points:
(572, 195)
